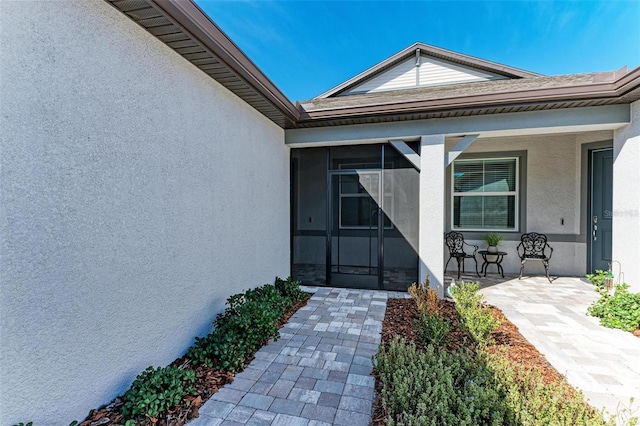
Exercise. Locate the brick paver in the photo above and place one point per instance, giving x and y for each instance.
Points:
(317, 373)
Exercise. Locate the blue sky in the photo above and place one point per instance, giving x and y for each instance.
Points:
(307, 47)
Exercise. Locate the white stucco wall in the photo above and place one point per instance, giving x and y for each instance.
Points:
(626, 200)
(553, 194)
(432, 220)
(137, 194)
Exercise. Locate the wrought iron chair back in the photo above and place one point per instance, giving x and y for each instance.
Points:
(455, 243)
(534, 246)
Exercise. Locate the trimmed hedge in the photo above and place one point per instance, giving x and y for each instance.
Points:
(245, 325)
(249, 321)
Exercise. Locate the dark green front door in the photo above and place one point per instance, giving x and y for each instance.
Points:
(601, 209)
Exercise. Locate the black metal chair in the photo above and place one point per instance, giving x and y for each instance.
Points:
(533, 246)
(455, 243)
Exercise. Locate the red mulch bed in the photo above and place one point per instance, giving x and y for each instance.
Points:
(209, 380)
(398, 321)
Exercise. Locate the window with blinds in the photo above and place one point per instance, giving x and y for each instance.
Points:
(485, 194)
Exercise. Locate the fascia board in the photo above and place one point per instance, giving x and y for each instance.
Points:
(574, 119)
(188, 16)
(628, 82)
(555, 94)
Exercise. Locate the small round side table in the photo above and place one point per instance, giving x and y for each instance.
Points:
(497, 261)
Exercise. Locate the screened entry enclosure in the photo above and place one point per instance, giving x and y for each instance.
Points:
(354, 217)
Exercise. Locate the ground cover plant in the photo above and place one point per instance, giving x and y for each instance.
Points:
(618, 309)
(171, 396)
(488, 376)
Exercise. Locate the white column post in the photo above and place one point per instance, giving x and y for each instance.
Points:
(626, 200)
(430, 245)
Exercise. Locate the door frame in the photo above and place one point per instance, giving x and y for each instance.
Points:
(330, 220)
(590, 150)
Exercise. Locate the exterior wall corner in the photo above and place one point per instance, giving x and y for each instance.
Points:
(626, 200)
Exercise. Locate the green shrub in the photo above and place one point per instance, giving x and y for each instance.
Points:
(622, 310)
(532, 402)
(475, 317)
(432, 329)
(598, 279)
(155, 391)
(249, 321)
(291, 290)
(436, 387)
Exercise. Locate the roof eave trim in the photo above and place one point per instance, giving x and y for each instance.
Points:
(188, 16)
(557, 94)
(628, 82)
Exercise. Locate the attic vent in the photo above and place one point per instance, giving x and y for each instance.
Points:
(417, 67)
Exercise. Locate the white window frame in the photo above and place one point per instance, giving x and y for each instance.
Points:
(454, 194)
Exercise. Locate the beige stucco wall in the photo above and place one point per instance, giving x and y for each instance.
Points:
(553, 193)
(136, 195)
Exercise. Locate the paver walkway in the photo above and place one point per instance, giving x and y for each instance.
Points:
(317, 373)
(604, 363)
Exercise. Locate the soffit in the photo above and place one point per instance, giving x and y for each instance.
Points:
(183, 26)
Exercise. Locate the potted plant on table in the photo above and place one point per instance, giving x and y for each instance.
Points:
(492, 239)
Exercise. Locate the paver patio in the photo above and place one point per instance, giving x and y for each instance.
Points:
(604, 363)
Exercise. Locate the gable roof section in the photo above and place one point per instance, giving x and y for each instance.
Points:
(420, 71)
(467, 67)
(184, 27)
